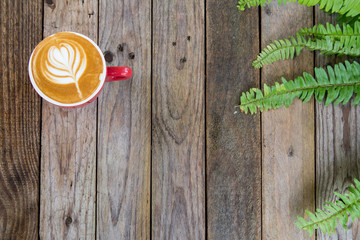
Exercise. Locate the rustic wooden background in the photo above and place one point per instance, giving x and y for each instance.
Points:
(162, 156)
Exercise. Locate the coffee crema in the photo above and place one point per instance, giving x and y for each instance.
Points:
(67, 67)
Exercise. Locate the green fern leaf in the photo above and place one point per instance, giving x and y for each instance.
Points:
(348, 35)
(347, 20)
(347, 8)
(327, 220)
(250, 3)
(328, 40)
(338, 83)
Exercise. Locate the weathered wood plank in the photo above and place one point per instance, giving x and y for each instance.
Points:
(124, 115)
(233, 141)
(288, 134)
(68, 158)
(178, 117)
(338, 147)
(20, 109)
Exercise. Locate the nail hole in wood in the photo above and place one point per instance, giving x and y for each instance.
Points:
(131, 55)
(267, 10)
(183, 60)
(120, 47)
(174, 44)
(188, 38)
(291, 151)
(108, 56)
(91, 14)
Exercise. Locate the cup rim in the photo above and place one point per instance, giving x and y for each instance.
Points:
(94, 94)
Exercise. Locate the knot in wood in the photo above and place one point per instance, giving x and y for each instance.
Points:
(183, 60)
(68, 221)
(50, 3)
(131, 55)
(267, 10)
(108, 56)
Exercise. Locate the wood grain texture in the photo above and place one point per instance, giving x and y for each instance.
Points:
(68, 142)
(288, 134)
(124, 115)
(20, 109)
(233, 141)
(178, 117)
(338, 147)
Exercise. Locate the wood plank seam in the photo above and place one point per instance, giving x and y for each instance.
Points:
(151, 112)
(205, 122)
(261, 130)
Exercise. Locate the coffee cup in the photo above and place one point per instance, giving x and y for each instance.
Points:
(68, 69)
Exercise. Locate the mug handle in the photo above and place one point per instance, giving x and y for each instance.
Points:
(118, 73)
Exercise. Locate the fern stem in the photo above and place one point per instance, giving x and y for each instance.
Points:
(262, 60)
(297, 90)
(331, 215)
(314, 34)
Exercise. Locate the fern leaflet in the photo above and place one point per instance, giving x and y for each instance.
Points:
(348, 8)
(338, 84)
(347, 20)
(330, 40)
(326, 220)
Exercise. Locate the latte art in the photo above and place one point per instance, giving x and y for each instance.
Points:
(67, 67)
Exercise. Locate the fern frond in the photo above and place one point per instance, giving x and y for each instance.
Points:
(347, 34)
(326, 220)
(251, 3)
(341, 19)
(348, 8)
(338, 84)
(328, 40)
(280, 50)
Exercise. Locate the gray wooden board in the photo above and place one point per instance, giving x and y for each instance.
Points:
(178, 120)
(124, 123)
(233, 141)
(288, 134)
(68, 142)
(20, 109)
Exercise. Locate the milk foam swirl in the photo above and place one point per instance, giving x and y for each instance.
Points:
(65, 63)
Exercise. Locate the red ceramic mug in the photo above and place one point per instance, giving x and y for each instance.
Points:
(109, 74)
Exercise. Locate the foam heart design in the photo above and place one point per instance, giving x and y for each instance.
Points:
(65, 64)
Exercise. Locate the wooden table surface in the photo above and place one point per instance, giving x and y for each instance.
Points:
(163, 156)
